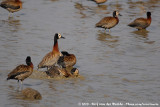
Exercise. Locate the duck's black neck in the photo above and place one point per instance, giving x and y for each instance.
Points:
(114, 14)
(55, 41)
(55, 47)
(148, 16)
(16, 0)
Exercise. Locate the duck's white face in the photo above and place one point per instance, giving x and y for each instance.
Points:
(76, 72)
(117, 13)
(59, 35)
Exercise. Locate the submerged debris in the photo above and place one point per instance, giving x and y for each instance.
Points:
(31, 94)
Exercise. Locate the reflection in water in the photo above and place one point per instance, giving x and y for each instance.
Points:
(143, 34)
(143, 5)
(11, 25)
(93, 10)
(80, 7)
(139, 4)
(116, 6)
(108, 39)
(15, 24)
(102, 7)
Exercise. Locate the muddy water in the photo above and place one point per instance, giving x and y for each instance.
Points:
(121, 66)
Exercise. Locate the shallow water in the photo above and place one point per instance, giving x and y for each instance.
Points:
(122, 66)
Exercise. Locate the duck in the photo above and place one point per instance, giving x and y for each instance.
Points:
(141, 23)
(99, 1)
(109, 22)
(51, 58)
(57, 71)
(67, 60)
(74, 72)
(11, 5)
(22, 71)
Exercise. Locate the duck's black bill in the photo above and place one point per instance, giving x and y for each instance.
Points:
(62, 37)
(120, 15)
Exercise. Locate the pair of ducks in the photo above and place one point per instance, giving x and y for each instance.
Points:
(63, 59)
(110, 22)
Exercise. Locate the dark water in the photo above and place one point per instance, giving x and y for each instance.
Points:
(122, 66)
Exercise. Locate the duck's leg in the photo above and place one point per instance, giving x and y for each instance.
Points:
(105, 30)
(18, 83)
(21, 85)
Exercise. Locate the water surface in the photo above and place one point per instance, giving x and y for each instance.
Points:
(121, 66)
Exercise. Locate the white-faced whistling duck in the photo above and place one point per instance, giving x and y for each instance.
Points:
(109, 22)
(57, 71)
(52, 57)
(66, 60)
(141, 23)
(11, 6)
(99, 1)
(21, 72)
(75, 72)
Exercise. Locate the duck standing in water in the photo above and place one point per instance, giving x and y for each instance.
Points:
(21, 72)
(141, 23)
(11, 5)
(52, 57)
(66, 60)
(109, 22)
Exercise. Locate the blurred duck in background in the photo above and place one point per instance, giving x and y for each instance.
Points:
(11, 5)
(141, 23)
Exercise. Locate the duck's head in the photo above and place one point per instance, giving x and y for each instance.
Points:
(58, 36)
(65, 53)
(75, 72)
(148, 14)
(28, 60)
(116, 13)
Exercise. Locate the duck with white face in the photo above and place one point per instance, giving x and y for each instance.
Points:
(62, 72)
(51, 58)
(109, 22)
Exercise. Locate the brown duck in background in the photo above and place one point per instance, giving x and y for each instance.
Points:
(11, 5)
(141, 23)
(67, 59)
(21, 72)
(52, 57)
(109, 22)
